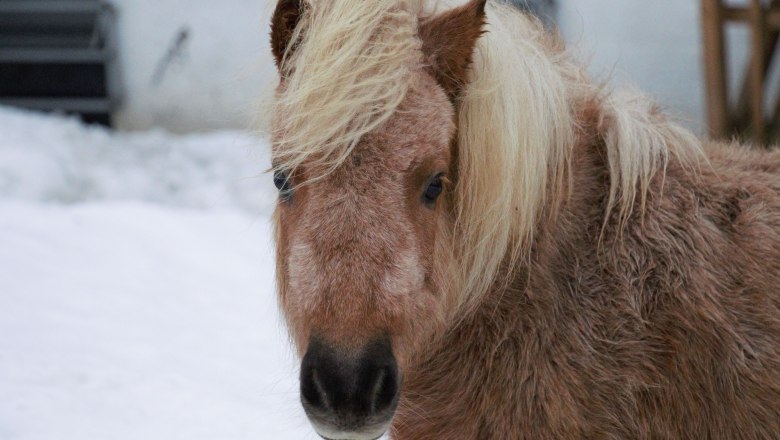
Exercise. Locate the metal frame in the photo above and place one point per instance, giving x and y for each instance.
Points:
(39, 42)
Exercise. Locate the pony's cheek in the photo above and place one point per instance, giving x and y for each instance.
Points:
(298, 283)
(414, 333)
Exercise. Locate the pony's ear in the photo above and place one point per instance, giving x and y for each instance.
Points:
(285, 19)
(448, 43)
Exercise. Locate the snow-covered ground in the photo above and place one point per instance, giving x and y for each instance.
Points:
(136, 287)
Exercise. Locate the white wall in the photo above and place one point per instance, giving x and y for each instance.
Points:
(653, 45)
(225, 67)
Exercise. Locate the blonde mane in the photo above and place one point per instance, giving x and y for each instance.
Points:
(515, 138)
(517, 124)
(348, 74)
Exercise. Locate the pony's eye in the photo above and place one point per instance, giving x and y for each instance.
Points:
(282, 183)
(433, 190)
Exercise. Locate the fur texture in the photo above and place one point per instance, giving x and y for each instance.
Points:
(592, 270)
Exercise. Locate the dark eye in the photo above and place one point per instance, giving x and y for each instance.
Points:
(433, 190)
(282, 183)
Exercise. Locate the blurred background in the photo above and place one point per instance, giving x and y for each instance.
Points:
(136, 258)
(196, 66)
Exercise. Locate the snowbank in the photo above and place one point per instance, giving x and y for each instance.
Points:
(56, 159)
(132, 321)
(137, 287)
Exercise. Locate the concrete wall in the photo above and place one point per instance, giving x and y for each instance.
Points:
(225, 64)
(654, 46)
(216, 79)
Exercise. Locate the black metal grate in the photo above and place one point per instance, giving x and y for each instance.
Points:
(58, 55)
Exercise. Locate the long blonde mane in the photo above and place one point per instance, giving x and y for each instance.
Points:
(517, 125)
(348, 74)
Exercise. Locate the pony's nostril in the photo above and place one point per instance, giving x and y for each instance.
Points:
(349, 387)
(385, 390)
(312, 390)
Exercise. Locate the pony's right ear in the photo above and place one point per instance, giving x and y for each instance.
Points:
(285, 19)
(449, 41)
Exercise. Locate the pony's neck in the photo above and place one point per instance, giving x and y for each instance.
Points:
(514, 325)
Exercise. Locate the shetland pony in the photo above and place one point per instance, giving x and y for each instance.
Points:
(475, 241)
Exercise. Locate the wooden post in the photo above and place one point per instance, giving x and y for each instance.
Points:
(774, 126)
(742, 115)
(714, 67)
(758, 36)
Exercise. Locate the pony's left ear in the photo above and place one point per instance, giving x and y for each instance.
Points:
(448, 44)
(285, 19)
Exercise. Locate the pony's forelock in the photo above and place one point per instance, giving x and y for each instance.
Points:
(346, 72)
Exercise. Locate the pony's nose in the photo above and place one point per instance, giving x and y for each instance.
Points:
(349, 391)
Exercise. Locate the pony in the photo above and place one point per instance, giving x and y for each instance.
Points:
(477, 241)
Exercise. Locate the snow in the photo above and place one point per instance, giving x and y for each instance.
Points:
(59, 160)
(136, 287)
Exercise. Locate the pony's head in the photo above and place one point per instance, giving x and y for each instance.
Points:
(386, 226)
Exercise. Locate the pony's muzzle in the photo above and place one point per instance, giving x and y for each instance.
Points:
(350, 394)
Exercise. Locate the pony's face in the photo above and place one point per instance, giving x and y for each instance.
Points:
(364, 253)
(359, 281)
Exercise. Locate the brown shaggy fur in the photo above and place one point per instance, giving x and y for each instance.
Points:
(283, 23)
(449, 41)
(671, 331)
(665, 327)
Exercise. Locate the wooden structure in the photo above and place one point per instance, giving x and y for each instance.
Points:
(746, 118)
(59, 55)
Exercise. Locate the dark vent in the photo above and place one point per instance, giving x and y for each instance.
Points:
(59, 55)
